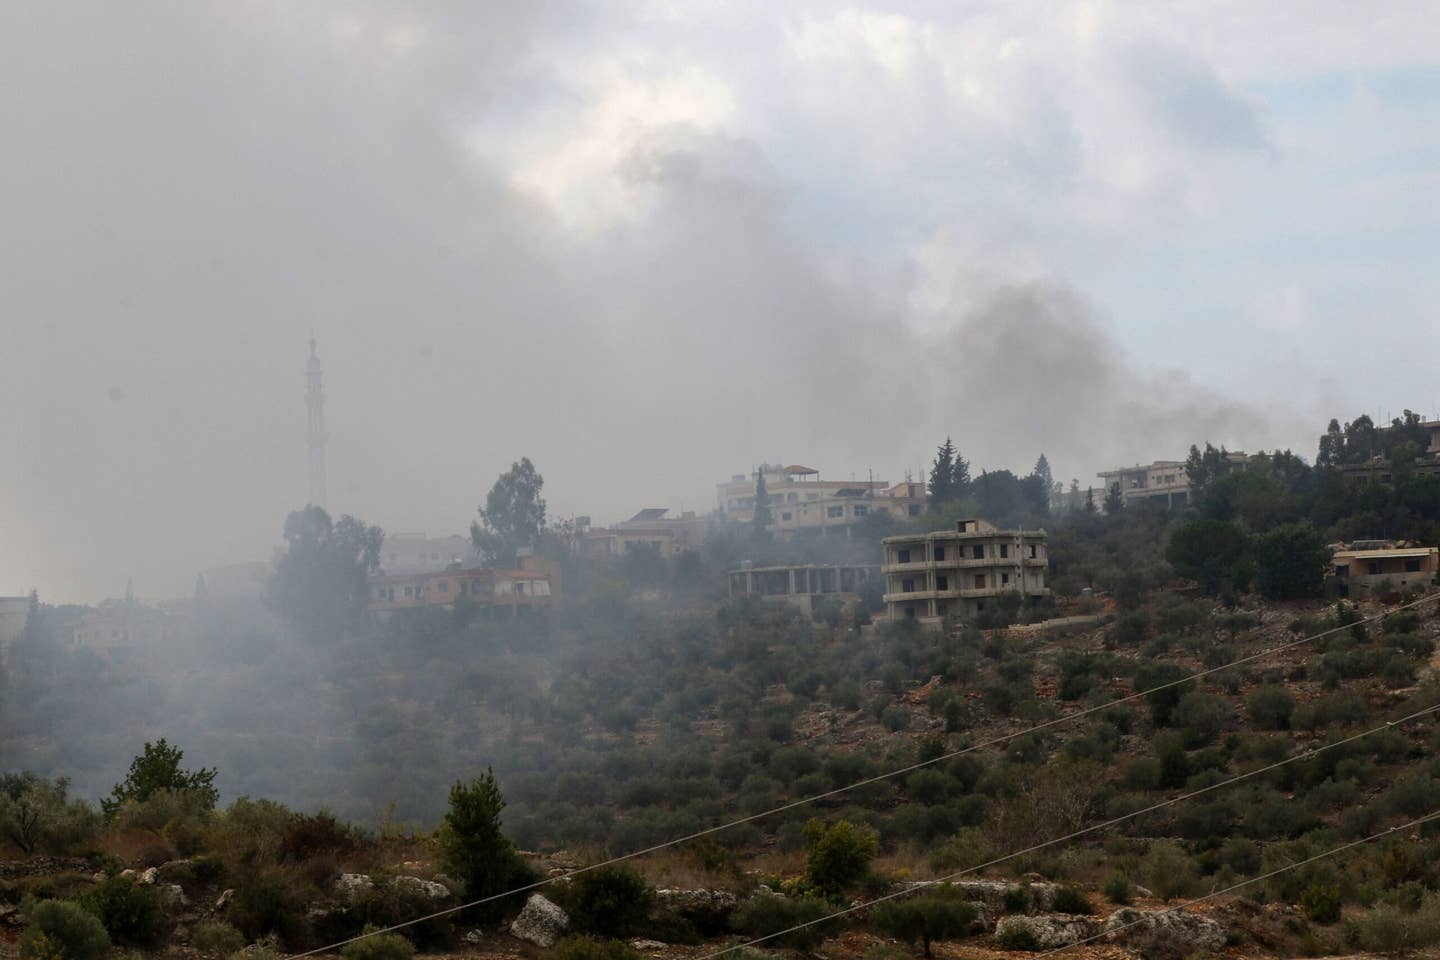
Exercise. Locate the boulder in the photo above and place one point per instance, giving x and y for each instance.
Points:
(1164, 933)
(474, 936)
(148, 876)
(431, 889)
(172, 896)
(650, 945)
(351, 885)
(224, 899)
(707, 909)
(995, 894)
(540, 923)
(1048, 932)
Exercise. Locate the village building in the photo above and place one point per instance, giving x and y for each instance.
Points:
(1162, 481)
(800, 502)
(533, 583)
(1368, 565)
(801, 586)
(933, 575)
(651, 527)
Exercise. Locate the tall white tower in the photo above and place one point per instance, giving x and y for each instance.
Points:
(315, 435)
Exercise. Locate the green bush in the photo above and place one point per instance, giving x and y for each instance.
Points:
(215, 938)
(268, 902)
(1017, 937)
(925, 919)
(1168, 870)
(132, 914)
(1388, 929)
(765, 916)
(1117, 889)
(1321, 902)
(63, 927)
(38, 816)
(472, 846)
(379, 946)
(1071, 900)
(610, 902)
(837, 856)
(589, 948)
(1270, 707)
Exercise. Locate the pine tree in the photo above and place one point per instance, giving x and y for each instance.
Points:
(1114, 501)
(960, 477)
(942, 475)
(1089, 499)
(1042, 470)
(761, 519)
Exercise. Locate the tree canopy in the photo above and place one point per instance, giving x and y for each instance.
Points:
(322, 580)
(513, 515)
(157, 768)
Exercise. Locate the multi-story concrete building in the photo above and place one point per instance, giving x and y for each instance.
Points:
(532, 584)
(652, 526)
(929, 576)
(1162, 480)
(801, 502)
(1366, 564)
(801, 585)
(417, 553)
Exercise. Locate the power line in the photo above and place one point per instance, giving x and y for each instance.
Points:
(1245, 883)
(1307, 755)
(878, 778)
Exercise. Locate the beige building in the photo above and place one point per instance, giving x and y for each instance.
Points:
(801, 585)
(801, 502)
(532, 584)
(1162, 480)
(1367, 564)
(116, 625)
(652, 526)
(930, 576)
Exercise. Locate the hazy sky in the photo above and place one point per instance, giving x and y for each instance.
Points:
(651, 244)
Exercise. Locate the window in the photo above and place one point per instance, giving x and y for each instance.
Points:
(1004, 551)
(910, 613)
(979, 581)
(903, 557)
(942, 583)
(1032, 551)
(1004, 579)
(834, 511)
(787, 516)
(914, 509)
(444, 586)
(409, 591)
(859, 509)
(907, 586)
(1373, 566)
(1342, 570)
(1412, 565)
(792, 498)
(978, 551)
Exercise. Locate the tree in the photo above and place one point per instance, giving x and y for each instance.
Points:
(322, 581)
(942, 475)
(1114, 500)
(1042, 470)
(1089, 499)
(761, 518)
(158, 768)
(1290, 562)
(926, 919)
(838, 855)
(1332, 447)
(1210, 551)
(513, 515)
(472, 846)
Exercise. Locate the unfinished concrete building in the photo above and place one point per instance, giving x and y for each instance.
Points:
(933, 575)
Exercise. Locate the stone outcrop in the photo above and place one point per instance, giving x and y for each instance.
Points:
(1047, 931)
(172, 896)
(431, 889)
(708, 910)
(351, 885)
(997, 896)
(540, 923)
(1164, 934)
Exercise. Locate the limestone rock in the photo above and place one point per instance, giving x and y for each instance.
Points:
(148, 877)
(431, 889)
(1048, 932)
(707, 909)
(172, 896)
(474, 936)
(224, 899)
(994, 894)
(351, 885)
(1164, 934)
(540, 923)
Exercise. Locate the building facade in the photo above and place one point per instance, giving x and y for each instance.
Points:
(933, 575)
(651, 527)
(1162, 481)
(800, 586)
(1365, 565)
(800, 502)
(514, 591)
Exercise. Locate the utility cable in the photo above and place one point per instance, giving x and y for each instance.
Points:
(1306, 755)
(878, 778)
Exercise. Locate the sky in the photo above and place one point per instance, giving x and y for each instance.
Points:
(649, 245)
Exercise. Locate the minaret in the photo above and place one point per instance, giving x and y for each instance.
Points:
(315, 428)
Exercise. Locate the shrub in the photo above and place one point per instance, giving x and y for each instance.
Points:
(895, 718)
(1321, 902)
(1168, 870)
(38, 817)
(59, 926)
(309, 835)
(1388, 929)
(925, 919)
(268, 902)
(763, 916)
(837, 856)
(1270, 708)
(215, 938)
(1014, 936)
(589, 948)
(158, 768)
(607, 901)
(1071, 900)
(1117, 889)
(132, 914)
(379, 946)
(472, 846)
